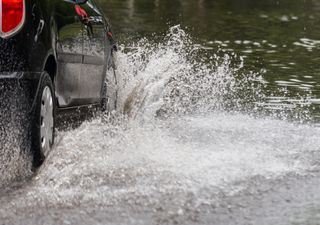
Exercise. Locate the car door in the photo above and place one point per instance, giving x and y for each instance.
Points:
(69, 49)
(95, 53)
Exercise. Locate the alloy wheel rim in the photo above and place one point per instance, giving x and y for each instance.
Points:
(46, 121)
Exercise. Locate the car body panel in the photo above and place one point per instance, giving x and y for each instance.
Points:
(95, 52)
(53, 28)
(69, 50)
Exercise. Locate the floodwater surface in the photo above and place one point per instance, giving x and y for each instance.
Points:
(216, 123)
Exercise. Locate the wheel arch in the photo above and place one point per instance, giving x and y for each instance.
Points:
(50, 66)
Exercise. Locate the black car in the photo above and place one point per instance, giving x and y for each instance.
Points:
(54, 54)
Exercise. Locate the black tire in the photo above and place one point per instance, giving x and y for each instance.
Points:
(109, 90)
(37, 121)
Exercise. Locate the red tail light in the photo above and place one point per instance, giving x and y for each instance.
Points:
(12, 16)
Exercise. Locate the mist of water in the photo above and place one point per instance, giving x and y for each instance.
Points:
(15, 155)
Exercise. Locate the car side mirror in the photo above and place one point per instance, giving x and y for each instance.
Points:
(79, 2)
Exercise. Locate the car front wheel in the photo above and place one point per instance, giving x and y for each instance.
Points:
(43, 123)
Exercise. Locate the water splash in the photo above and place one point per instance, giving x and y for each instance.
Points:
(177, 77)
(15, 155)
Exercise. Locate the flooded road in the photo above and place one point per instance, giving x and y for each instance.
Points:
(214, 169)
(203, 132)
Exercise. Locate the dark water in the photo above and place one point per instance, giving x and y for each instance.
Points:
(278, 39)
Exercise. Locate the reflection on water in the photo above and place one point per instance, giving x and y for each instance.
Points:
(280, 37)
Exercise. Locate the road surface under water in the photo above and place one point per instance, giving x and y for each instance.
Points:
(199, 137)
